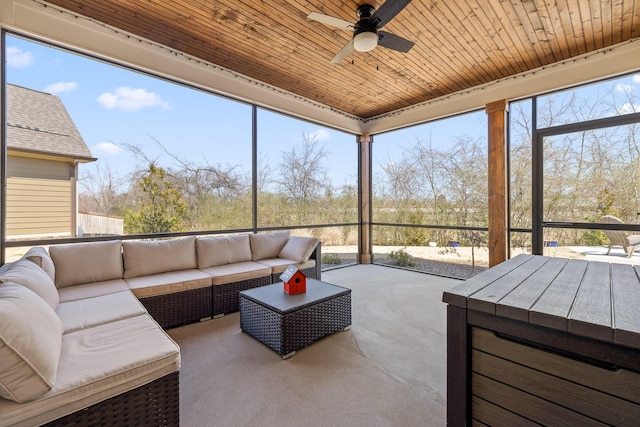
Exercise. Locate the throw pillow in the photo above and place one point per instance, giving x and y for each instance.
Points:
(298, 248)
(30, 344)
(28, 274)
(40, 256)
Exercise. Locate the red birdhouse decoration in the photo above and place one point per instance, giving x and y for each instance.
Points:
(295, 282)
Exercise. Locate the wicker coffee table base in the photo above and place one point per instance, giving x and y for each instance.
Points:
(286, 333)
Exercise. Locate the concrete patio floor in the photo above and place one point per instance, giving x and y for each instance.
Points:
(389, 369)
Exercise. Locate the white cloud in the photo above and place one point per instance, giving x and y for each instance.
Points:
(61, 87)
(636, 79)
(17, 58)
(628, 108)
(106, 148)
(319, 135)
(624, 88)
(130, 99)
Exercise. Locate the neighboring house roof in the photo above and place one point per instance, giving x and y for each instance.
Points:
(38, 122)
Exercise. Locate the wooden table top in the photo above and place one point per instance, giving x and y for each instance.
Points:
(593, 299)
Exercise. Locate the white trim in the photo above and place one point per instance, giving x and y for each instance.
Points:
(50, 23)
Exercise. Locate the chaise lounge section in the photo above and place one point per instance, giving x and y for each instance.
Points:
(69, 353)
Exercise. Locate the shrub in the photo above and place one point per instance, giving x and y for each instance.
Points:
(402, 258)
(331, 259)
(595, 238)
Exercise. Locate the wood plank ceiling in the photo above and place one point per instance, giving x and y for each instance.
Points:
(458, 44)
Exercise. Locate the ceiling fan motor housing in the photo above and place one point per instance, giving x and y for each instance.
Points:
(365, 11)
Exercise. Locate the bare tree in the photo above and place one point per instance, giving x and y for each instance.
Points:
(197, 179)
(466, 181)
(303, 174)
(264, 178)
(101, 191)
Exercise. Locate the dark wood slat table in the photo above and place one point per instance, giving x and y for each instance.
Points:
(562, 335)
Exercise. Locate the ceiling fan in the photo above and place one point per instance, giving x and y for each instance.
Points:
(366, 32)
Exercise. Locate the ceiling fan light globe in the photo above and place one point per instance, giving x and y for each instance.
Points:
(366, 41)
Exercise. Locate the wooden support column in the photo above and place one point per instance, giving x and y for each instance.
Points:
(498, 201)
(364, 198)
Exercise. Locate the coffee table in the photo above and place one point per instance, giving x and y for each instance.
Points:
(287, 323)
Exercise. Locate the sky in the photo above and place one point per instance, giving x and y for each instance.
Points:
(113, 107)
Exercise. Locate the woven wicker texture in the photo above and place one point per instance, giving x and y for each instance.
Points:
(154, 404)
(295, 329)
(225, 297)
(179, 308)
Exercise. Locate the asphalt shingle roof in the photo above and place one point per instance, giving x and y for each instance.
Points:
(39, 122)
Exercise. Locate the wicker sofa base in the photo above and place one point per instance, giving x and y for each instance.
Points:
(226, 296)
(179, 308)
(184, 307)
(153, 404)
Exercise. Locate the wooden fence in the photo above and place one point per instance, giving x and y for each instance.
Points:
(99, 225)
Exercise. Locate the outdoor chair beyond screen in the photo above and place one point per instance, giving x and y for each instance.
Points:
(619, 237)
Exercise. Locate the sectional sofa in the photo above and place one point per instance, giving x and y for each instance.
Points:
(82, 338)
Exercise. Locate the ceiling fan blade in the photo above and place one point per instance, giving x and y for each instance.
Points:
(344, 52)
(330, 20)
(391, 41)
(387, 12)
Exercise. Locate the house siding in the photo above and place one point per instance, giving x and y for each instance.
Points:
(39, 198)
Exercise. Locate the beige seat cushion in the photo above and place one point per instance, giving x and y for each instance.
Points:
(221, 250)
(167, 283)
(269, 245)
(40, 256)
(30, 342)
(298, 249)
(279, 265)
(28, 274)
(90, 312)
(236, 272)
(142, 258)
(91, 290)
(80, 263)
(97, 364)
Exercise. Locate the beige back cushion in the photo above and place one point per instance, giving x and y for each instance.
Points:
(159, 256)
(28, 274)
(265, 246)
(298, 249)
(40, 256)
(30, 344)
(80, 263)
(222, 250)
